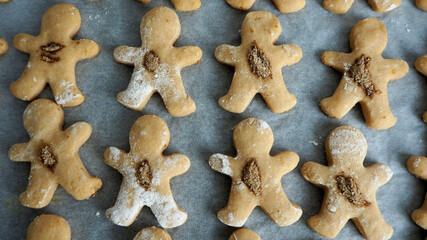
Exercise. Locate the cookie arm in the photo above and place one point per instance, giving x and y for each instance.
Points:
(226, 54)
(417, 165)
(221, 163)
(22, 42)
(337, 60)
(315, 173)
(286, 161)
(86, 48)
(187, 56)
(78, 134)
(114, 157)
(289, 54)
(21, 152)
(177, 164)
(125, 55)
(395, 68)
(381, 172)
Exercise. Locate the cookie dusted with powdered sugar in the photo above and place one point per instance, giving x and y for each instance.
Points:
(256, 176)
(158, 64)
(258, 65)
(349, 187)
(54, 155)
(146, 174)
(365, 76)
(53, 57)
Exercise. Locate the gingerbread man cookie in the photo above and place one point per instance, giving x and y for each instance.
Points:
(152, 233)
(349, 187)
(256, 176)
(54, 155)
(244, 234)
(285, 6)
(182, 5)
(158, 64)
(365, 75)
(417, 165)
(258, 65)
(53, 56)
(3, 46)
(49, 227)
(421, 66)
(146, 174)
(342, 6)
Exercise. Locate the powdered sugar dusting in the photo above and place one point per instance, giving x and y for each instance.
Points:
(221, 163)
(347, 141)
(68, 95)
(114, 154)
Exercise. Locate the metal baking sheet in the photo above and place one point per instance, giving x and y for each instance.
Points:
(201, 191)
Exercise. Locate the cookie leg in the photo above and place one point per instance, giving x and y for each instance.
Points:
(238, 97)
(280, 209)
(126, 208)
(278, 99)
(328, 224)
(420, 215)
(241, 4)
(372, 225)
(343, 99)
(377, 112)
(289, 6)
(66, 92)
(176, 100)
(29, 85)
(237, 210)
(137, 93)
(337, 6)
(78, 182)
(168, 213)
(41, 187)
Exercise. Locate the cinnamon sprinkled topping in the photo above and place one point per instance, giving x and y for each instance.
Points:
(144, 175)
(251, 177)
(151, 61)
(351, 191)
(361, 75)
(49, 51)
(258, 62)
(47, 157)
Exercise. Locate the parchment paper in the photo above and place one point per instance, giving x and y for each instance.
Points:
(201, 191)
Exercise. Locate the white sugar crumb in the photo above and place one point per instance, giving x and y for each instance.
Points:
(407, 28)
(416, 162)
(114, 154)
(221, 163)
(97, 214)
(314, 143)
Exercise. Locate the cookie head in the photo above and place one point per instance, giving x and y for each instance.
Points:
(160, 26)
(344, 144)
(43, 116)
(61, 20)
(253, 136)
(260, 26)
(369, 34)
(47, 226)
(149, 134)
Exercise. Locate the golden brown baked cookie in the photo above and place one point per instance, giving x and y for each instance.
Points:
(258, 65)
(349, 187)
(244, 234)
(365, 76)
(3, 1)
(53, 56)
(421, 4)
(49, 227)
(421, 66)
(158, 64)
(285, 6)
(182, 5)
(342, 6)
(256, 176)
(417, 165)
(146, 174)
(3, 46)
(152, 233)
(54, 155)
